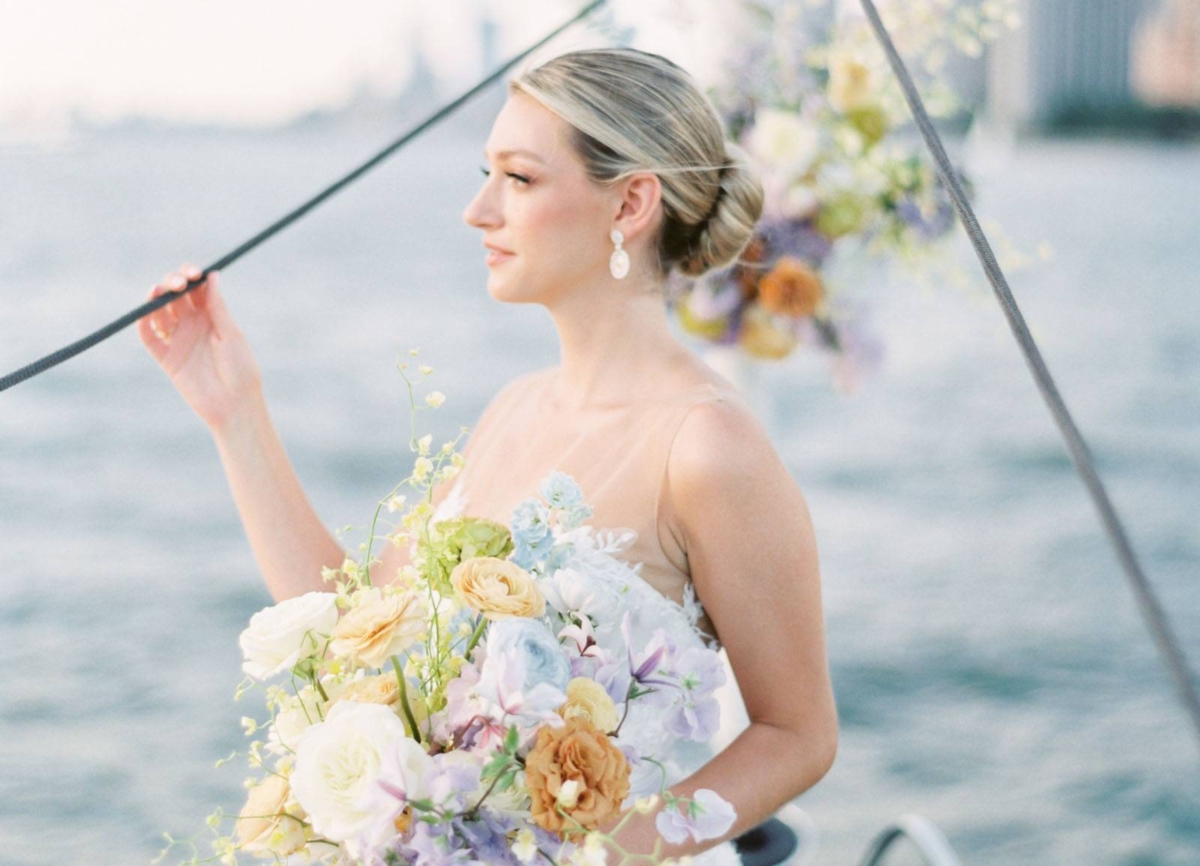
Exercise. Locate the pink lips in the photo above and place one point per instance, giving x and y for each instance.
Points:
(496, 254)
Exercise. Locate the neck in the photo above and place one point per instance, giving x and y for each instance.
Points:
(610, 337)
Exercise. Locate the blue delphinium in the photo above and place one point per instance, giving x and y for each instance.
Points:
(532, 534)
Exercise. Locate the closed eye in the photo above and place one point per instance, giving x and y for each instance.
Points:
(487, 173)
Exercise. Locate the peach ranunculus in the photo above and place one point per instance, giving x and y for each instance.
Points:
(379, 689)
(264, 827)
(497, 588)
(385, 689)
(791, 288)
(380, 626)
(580, 753)
(586, 697)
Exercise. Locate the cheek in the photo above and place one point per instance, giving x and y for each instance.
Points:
(558, 231)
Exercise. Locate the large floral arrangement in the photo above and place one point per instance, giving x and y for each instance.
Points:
(492, 704)
(821, 116)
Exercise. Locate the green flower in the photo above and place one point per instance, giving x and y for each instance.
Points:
(871, 123)
(841, 215)
(461, 538)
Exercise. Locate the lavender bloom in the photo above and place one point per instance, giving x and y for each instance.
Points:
(695, 713)
(487, 838)
(651, 667)
(795, 238)
(454, 780)
(708, 816)
(437, 845)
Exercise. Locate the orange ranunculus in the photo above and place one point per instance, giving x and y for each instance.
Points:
(791, 288)
(579, 752)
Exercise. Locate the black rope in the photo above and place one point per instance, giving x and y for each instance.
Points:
(1148, 602)
(167, 297)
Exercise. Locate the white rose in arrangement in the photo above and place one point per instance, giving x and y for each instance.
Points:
(280, 636)
(784, 141)
(338, 764)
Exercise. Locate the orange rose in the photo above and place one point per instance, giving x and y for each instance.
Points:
(791, 288)
(580, 753)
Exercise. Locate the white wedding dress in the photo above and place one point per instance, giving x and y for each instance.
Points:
(618, 588)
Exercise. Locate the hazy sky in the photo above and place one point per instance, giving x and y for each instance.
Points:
(266, 61)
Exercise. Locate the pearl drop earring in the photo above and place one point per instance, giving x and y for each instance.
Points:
(618, 263)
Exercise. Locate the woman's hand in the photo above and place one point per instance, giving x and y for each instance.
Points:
(201, 348)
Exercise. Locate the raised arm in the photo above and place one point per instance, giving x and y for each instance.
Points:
(753, 559)
(208, 359)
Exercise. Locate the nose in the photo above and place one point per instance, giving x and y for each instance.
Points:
(481, 211)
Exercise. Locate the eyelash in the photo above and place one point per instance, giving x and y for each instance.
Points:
(487, 173)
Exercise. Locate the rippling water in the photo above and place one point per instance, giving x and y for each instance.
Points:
(991, 669)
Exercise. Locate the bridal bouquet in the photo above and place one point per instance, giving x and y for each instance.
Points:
(504, 699)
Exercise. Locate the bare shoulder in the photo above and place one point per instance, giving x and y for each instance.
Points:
(723, 454)
(717, 435)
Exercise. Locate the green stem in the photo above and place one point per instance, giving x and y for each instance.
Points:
(316, 681)
(475, 636)
(408, 713)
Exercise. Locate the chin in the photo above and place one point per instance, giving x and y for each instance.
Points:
(508, 290)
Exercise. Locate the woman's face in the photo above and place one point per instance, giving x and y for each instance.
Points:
(537, 204)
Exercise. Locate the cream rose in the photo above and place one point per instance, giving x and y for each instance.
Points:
(586, 697)
(265, 828)
(497, 588)
(379, 627)
(784, 141)
(280, 636)
(338, 763)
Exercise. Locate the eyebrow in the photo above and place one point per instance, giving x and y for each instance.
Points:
(503, 153)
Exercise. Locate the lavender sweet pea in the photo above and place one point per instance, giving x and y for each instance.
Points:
(707, 816)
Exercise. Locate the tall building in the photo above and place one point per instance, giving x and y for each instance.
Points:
(1067, 64)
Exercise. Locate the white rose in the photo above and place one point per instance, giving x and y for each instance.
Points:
(337, 766)
(784, 142)
(295, 714)
(280, 636)
(404, 768)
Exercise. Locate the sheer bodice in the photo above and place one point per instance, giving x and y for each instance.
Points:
(618, 455)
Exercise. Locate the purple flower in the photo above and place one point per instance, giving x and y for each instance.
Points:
(437, 845)
(652, 665)
(454, 780)
(695, 713)
(707, 816)
(487, 838)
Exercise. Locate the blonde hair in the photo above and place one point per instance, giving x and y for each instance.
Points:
(632, 111)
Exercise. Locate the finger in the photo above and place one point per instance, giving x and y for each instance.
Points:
(192, 274)
(162, 320)
(222, 319)
(156, 345)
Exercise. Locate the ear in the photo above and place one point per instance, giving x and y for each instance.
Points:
(638, 204)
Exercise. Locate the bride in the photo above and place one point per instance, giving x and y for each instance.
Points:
(605, 169)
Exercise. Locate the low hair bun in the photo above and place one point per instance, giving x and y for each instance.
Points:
(719, 238)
